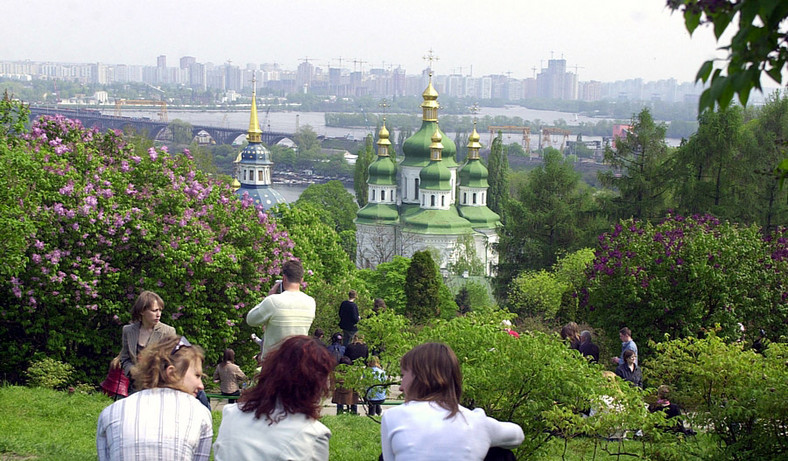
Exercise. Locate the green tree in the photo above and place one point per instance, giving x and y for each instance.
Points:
(361, 172)
(708, 168)
(110, 222)
(307, 142)
(388, 281)
(536, 294)
(467, 259)
(683, 276)
(498, 177)
(182, 132)
(422, 288)
(335, 201)
(316, 242)
(767, 203)
(739, 396)
(638, 165)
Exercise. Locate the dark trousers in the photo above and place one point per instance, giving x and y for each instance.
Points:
(234, 394)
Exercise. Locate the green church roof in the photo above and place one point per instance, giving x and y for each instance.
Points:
(436, 222)
(474, 174)
(480, 217)
(383, 171)
(416, 149)
(377, 213)
(435, 176)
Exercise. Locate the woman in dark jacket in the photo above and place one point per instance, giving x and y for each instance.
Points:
(629, 370)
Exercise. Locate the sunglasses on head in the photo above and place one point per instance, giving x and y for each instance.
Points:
(182, 343)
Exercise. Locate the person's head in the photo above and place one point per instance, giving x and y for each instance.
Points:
(229, 355)
(585, 336)
(431, 372)
(379, 305)
(172, 362)
(663, 392)
(295, 376)
(358, 339)
(147, 308)
(336, 338)
(351, 294)
(570, 331)
(319, 333)
(625, 334)
(293, 271)
(629, 356)
(373, 362)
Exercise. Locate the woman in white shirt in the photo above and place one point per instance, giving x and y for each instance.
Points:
(431, 424)
(164, 420)
(277, 418)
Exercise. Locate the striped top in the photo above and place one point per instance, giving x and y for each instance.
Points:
(155, 424)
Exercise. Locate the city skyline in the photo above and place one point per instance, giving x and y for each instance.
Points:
(614, 40)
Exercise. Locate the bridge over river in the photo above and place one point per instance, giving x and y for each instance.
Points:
(150, 128)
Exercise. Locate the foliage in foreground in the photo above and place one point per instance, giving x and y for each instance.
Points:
(107, 222)
(739, 395)
(534, 381)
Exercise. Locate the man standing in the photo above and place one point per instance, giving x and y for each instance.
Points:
(286, 311)
(587, 348)
(348, 317)
(626, 344)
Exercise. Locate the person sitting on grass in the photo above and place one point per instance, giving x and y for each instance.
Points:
(163, 420)
(229, 375)
(432, 424)
(278, 417)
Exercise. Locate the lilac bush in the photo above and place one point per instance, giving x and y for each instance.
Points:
(684, 275)
(109, 223)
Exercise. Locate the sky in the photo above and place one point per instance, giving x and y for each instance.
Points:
(607, 40)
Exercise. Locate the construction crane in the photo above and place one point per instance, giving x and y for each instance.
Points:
(266, 123)
(162, 105)
(549, 132)
(526, 131)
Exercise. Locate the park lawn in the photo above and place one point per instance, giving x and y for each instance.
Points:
(47, 425)
(43, 425)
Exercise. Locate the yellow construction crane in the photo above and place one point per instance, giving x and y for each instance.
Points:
(119, 103)
(526, 131)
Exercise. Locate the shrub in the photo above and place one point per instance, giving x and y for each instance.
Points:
(109, 222)
(684, 275)
(738, 396)
(49, 373)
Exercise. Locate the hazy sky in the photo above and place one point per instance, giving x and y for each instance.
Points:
(608, 39)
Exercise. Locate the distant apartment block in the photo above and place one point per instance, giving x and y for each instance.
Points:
(551, 82)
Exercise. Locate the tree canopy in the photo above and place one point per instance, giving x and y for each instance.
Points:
(107, 221)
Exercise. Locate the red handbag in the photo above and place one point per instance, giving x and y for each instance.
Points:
(116, 384)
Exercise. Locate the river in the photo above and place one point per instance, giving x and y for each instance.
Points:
(286, 122)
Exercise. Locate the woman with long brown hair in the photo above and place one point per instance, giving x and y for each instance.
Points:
(277, 418)
(431, 424)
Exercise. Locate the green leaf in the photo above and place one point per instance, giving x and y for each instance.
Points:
(691, 20)
(705, 71)
(721, 22)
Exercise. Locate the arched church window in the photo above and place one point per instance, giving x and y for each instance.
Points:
(383, 195)
(432, 200)
(474, 198)
(443, 200)
(464, 198)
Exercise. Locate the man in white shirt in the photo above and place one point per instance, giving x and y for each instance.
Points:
(286, 311)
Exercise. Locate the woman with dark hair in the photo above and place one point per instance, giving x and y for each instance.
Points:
(277, 418)
(145, 329)
(571, 333)
(629, 370)
(432, 424)
(229, 375)
(163, 420)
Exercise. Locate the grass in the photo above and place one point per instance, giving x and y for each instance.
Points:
(44, 425)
